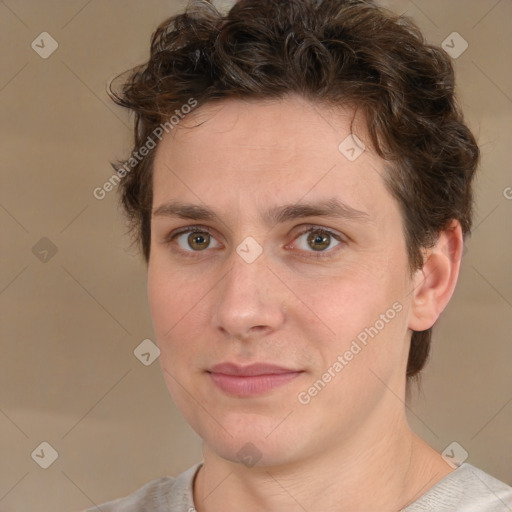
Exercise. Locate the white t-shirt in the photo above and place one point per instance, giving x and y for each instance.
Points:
(467, 489)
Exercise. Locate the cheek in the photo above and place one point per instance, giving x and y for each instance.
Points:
(175, 314)
(362, 314)
(352, 296)
(159, 297)
(172, 305)
(368, 348)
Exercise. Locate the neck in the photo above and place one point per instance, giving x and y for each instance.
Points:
(370, 471)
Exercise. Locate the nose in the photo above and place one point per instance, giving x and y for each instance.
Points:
(249, 300)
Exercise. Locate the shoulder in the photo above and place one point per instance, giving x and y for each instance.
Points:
(151, 497)
(161, 495)
(467, 489)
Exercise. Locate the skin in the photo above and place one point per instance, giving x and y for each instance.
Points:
(293, 306)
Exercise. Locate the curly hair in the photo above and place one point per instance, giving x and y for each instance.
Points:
(334, 52)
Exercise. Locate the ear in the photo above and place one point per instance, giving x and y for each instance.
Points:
(435, 282)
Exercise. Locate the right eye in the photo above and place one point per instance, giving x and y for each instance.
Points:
(193, 240)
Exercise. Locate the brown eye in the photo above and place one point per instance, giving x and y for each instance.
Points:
(318, 240)
(193, 240)
(198, 241)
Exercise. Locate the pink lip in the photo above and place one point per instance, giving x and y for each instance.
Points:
(250, 380)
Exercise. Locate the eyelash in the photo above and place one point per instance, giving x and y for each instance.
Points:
(308, 229)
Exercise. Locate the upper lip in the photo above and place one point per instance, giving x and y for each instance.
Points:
(250, 370)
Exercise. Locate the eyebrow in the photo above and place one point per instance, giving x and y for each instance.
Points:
(332, 208)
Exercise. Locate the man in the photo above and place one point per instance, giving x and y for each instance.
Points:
(301, 189)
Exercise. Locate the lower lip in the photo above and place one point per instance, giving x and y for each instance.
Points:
(253, 385)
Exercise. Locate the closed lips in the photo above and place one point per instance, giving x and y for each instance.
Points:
(252, 370)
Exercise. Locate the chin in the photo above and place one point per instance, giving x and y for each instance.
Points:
(250, 454)
(251, 445)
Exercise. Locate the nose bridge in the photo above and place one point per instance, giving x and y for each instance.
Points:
(244, 300)
(245, 283)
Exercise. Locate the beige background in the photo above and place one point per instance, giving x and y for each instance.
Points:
(68, 375)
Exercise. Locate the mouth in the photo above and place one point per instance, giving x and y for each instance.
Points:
(252, 380)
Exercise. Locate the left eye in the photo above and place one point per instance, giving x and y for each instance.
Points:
(318, 240)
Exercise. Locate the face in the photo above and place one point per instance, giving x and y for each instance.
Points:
(272, 245)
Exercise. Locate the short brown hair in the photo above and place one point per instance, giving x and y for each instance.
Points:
(335, 52)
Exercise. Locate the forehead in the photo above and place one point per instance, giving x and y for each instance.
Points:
(289, 146)
(288, 126)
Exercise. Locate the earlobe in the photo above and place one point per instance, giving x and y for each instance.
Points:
(435, 282)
